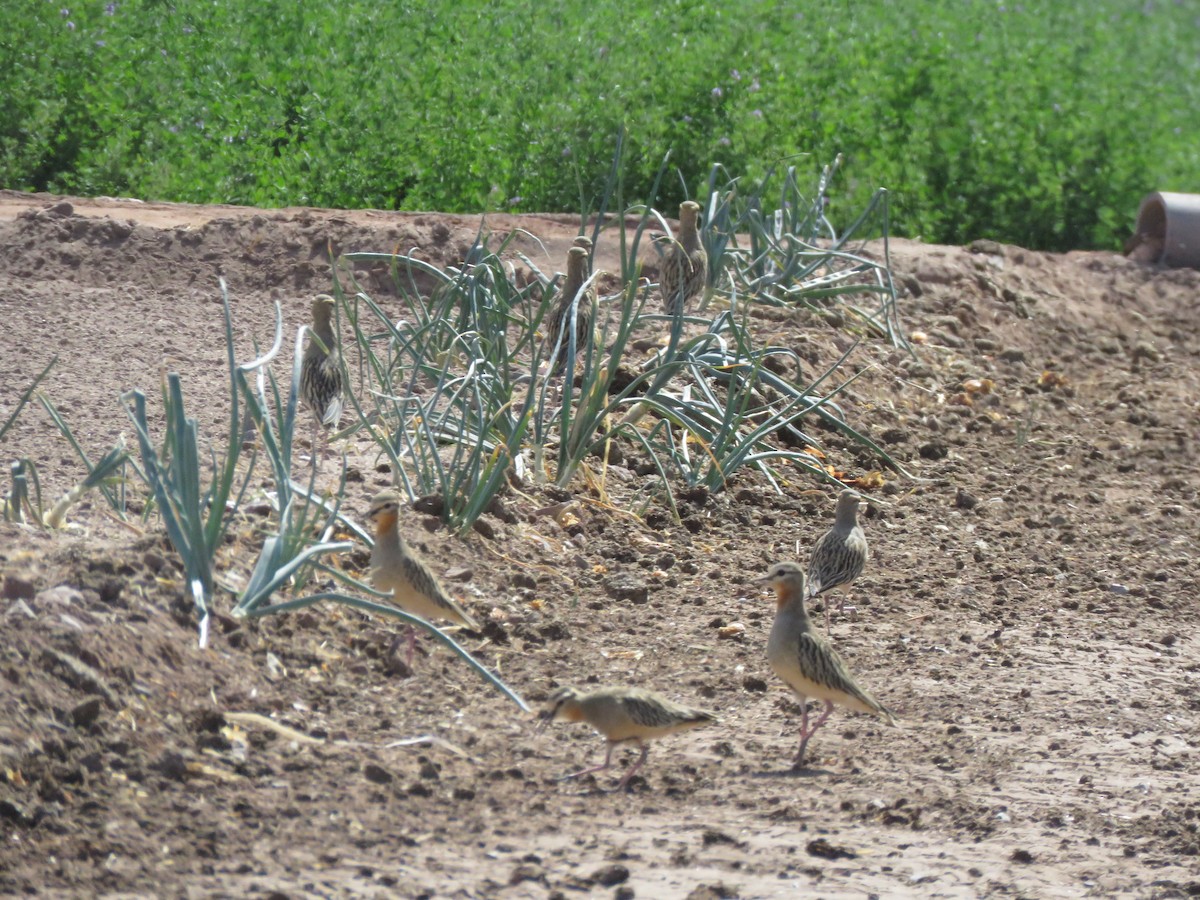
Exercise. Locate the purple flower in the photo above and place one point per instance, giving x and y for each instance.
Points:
(735, 75)
(718, 93)
(725, 142)
(110, 9)
(64, 12)
(755, 86)
(70, 26)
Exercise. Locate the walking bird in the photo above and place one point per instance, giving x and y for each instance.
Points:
(397, 569)
(807, 662)
(623, 714)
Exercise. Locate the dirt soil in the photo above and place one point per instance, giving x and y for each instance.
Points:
(1029, 610)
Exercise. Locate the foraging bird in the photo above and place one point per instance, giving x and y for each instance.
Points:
(807, 662)
(559, 317)
(623, 714)
(321, 382)
(685, 265)
(840, 555)
(395, 567)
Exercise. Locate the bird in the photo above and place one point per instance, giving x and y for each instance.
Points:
(623, 714)
(559, 317)
(840, 555)
(685, 264)
(321, 381)
(397, 569)
(807, 662)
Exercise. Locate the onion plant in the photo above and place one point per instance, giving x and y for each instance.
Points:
(193, 499)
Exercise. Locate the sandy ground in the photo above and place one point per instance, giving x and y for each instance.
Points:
(1029, 610)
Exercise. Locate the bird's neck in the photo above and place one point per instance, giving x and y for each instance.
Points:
(385, 524)
(791, 603)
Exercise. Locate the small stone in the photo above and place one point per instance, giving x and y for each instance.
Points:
(627, 587)
(934, 450)
(377, 774)
(1145, 350)
(985, 245)
(963, 500)
(1022, 856)
(172, 764)
(822, 848)
(485, 528)
(11, 812)
(527, 872)
(611, 875)
(64, 595)
(18, 588)
(86, 712)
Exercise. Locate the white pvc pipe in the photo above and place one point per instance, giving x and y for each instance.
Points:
(1173, 219)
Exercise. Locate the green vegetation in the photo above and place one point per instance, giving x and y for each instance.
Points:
(1041, 124)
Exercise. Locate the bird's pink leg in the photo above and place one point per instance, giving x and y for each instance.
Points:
(607, 762)
(806, 733)
(637, 765)
(412, 646)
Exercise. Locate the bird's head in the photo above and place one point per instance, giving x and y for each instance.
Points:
(384, 511)
(846, 512)
(577, 264)
(322, 308)
(787, 578)
(689, 215)
(563, 705)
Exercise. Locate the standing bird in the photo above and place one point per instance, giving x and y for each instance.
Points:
(396, 568)
(840, 555)
(685, 264)
(582, 240)
(807, 662)
(559, 317)
(321, 382)
(623, 714)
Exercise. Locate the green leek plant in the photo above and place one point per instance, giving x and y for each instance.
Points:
(19, 504)
(445, 389)
(455, 393)
(102, 475)
(26, 395)
(290, 554)
(196, 510)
